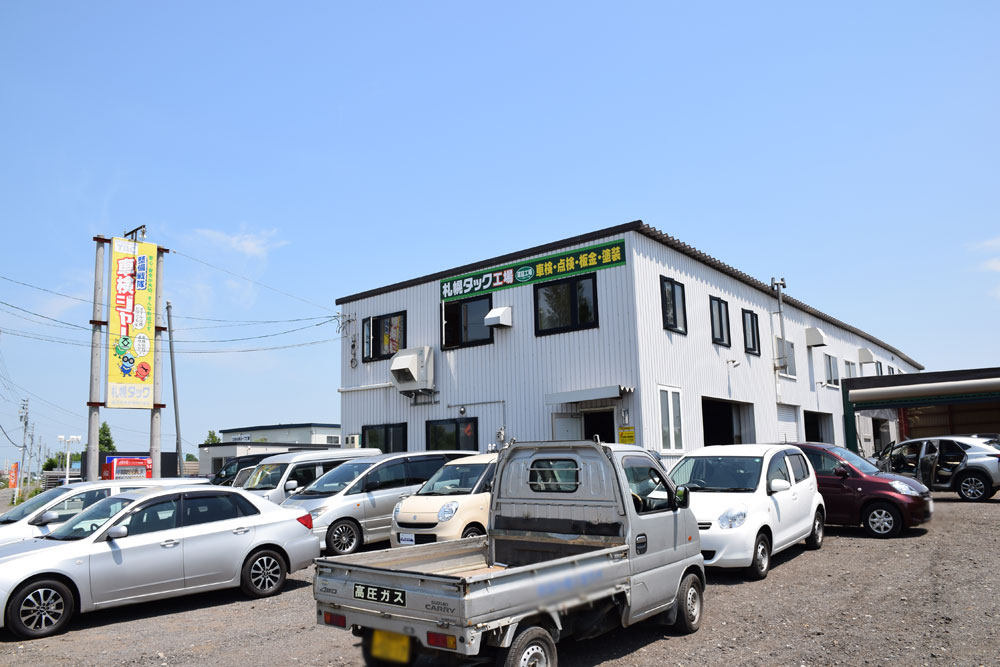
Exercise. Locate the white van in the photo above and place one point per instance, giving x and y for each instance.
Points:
(276, 476)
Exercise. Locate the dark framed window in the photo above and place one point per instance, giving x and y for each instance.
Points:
(554, 476)
(383, 336)
(892, 371)
(672, 302)
(464, 322)
(751, 332)
(387, 437)
(878, 368)
(720, 321)
(566, 305)
(453, 434)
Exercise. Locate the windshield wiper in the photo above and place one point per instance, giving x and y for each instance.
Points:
(9, 520)
(260, 488)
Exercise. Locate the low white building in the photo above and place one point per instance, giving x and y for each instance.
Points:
(625, 333)
(266, 439)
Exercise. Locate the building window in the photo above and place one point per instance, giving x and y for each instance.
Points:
(387, 437)
(672, 302)
(832, 376)
(333, 439)
(751, 333)
(383, 336)
(850, 369)
(670, 419)
(566, 305)
(892, 371)
(786, 357)
(453, 434)
(878, 368)
(465, 322)
(720, 320)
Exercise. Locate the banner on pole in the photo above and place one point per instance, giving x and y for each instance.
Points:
(12, 475)
(131, 324)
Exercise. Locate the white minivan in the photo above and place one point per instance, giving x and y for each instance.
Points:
(276, 476)
(751, 502)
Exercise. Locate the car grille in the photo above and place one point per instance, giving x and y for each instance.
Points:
(424, 538)
(417, 526)
(704, 525)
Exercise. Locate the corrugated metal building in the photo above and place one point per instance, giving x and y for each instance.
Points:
(626, 333)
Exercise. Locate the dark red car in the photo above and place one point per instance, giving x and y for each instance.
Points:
(855, 491)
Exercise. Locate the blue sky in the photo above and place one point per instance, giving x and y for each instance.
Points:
(327, 148)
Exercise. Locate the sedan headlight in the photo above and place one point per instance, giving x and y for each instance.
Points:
(316, 512)
(447, 511)
(733, 517)
(904, 488)
(395, 510)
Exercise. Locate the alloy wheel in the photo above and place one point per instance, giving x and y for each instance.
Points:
(973, 487)
(42, 609)
(265, 573)
(344, 538)
(881, 521)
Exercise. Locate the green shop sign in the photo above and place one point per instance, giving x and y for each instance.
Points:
(583, 260)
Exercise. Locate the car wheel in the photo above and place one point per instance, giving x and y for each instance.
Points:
(691, 602)
(472, 531)
(40, 609)
(533, 646)
(761, 558)
(342, 538)
(263, 574)
(815, 539)
(974, 486)
(882, 520)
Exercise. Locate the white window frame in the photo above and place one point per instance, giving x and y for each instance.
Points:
(671, 430)
(850, 369)
(790, 370)
(832, 374)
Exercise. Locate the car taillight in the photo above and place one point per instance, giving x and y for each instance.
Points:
(439, 640)
(306, 520)
(338, 620)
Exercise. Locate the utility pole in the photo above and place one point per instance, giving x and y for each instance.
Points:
(22, 416)
(94, 403)
(173, 384)
(155, 420)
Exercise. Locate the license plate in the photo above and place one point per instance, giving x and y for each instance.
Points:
(406, 539)
(390, 646)
(380, 594)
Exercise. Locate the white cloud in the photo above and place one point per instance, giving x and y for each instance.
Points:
(989, 244)
(248, 244)
(991, 264)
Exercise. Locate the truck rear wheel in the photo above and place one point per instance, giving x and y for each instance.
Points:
(533, 647)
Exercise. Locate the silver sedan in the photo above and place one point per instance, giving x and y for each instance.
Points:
(149, 545)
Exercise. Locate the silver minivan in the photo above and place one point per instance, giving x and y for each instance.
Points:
(276, 476)
(352, 504)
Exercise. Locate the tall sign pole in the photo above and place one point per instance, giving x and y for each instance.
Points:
(155, 416)
(173, 385)
(94, 402)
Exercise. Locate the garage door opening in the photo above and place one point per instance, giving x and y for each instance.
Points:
(601, 423)
(727, 422)
(819, 426)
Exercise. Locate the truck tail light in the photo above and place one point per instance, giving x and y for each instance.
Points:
(337, 620)
(439, 640)
(306, 520)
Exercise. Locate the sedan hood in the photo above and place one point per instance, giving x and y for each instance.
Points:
(15, 550)
(709, 505)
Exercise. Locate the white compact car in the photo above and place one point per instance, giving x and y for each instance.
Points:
(751, 502)
(39, 515)
(148, 545)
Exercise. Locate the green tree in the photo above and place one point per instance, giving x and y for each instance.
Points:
(212, 439)
(52, 463)
(190, 457)
(105, 442)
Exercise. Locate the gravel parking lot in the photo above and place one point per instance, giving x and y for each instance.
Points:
(926, 598)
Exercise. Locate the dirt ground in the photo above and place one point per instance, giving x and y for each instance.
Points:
(929, 597)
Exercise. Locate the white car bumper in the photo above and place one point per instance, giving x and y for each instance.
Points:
(730, 547)
(302, 551)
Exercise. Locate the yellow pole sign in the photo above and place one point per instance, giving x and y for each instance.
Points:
(131, 324)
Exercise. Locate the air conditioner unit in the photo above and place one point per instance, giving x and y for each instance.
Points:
(412, 370)
(353, 440)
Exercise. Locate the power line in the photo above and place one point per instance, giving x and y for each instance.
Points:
(8, 437)
(44, 317)
(67, 341)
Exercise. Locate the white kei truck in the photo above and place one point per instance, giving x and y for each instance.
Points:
(584, 537)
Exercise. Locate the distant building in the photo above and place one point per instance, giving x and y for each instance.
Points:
(270, 439)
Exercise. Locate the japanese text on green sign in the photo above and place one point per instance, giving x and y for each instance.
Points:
(583, 260)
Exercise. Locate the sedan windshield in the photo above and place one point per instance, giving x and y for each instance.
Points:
(90, 520)
(454, 479)
(862, 464)
(718, 473)
(266, 476)
(28, 507)
(336, 480)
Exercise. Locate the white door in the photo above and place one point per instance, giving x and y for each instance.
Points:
(567, 426)
(788, 423)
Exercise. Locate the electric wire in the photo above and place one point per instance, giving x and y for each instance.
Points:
(44, 317)
(105, 346)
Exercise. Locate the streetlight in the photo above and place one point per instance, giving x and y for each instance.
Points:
(69, 441)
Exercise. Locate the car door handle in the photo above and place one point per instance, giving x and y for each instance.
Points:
(640, 544)
(240, 531)
(169, 544)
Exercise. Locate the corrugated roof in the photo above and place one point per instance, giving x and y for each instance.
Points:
(271, 427)
(655, 234)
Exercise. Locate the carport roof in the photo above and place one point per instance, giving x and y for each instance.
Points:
(655, 234)
(974, 384)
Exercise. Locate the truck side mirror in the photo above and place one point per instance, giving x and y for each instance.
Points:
(682, 497)
(291, 485)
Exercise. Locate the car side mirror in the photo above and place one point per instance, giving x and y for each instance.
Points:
(841, 471)
(291, 485)
(682, 497)
(776, 485)
(117, 532)
(46, 518)
(488, 487)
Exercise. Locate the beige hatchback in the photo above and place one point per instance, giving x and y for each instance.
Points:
(452, 504)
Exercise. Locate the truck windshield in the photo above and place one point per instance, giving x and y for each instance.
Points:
(28, 507)
(336, 480)
(90, 520)
(266, 476)
(453, 479)
(739, 474)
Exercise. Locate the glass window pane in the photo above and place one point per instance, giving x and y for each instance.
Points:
(474, 316)
(678, 442)
(441, 435)
(716, 325)
(585, 301)
(679, 300)
(553, 304)
(665, 419)
(669, 305)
